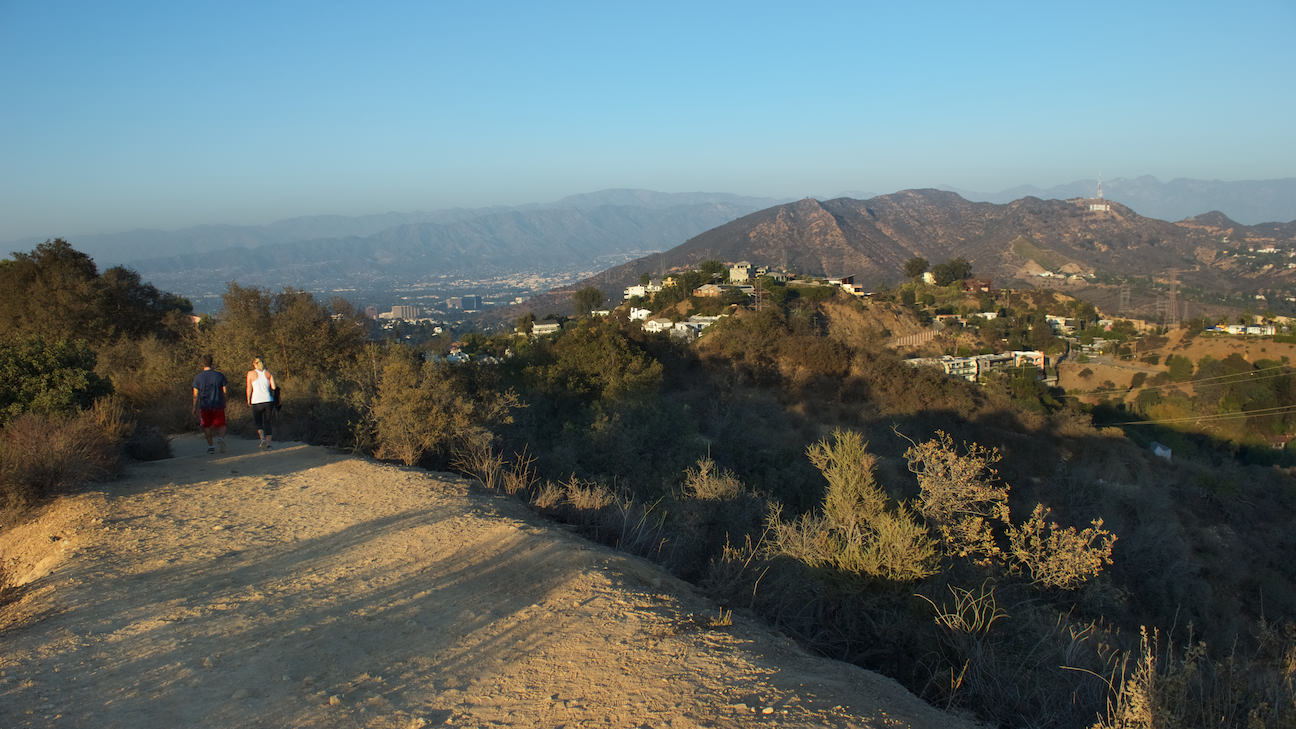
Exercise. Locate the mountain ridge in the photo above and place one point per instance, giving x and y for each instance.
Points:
(871, 239)
(1252, 202)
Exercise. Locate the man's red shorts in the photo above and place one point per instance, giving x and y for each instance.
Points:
(214, 418)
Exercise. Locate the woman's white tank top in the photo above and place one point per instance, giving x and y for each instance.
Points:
(261, 388)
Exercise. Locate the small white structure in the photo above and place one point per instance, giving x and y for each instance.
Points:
(657, 325)
(740, 272)
(539, 329)
(640, 290)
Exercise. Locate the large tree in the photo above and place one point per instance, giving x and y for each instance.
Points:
(950, 271)
(587, 300)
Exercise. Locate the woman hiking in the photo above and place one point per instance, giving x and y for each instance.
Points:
(260, 396)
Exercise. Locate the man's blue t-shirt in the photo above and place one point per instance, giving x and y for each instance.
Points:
(210, 385)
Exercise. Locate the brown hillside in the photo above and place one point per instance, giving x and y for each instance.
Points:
(1121, 373)
(871, 239)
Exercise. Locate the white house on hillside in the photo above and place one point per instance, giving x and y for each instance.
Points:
(740, 272)
(640, 290)
(658, 324)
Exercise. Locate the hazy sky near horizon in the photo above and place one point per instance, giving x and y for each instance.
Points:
(123, 115)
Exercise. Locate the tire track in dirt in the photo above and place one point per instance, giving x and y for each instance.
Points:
(304, 588)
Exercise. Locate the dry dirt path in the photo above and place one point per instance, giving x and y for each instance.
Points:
(303, 588)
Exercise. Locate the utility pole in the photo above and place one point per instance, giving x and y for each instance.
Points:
(1172, 306)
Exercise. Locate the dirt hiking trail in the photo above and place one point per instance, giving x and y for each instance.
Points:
(304, 588)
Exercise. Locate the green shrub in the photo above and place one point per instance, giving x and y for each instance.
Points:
(428, 409)
(47, 377)
(858, 530)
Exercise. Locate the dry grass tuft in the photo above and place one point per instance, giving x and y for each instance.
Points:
(41, 455)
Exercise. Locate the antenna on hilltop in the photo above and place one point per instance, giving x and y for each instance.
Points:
(1098, 204)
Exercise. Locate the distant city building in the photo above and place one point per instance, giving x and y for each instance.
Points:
(471, 302)
(402, 311)
(371, 311)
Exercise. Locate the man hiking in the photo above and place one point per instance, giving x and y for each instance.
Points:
(209, 403)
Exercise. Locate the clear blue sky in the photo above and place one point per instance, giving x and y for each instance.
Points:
(119, 115)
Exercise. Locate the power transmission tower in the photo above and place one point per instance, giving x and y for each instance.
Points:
(1172, 306)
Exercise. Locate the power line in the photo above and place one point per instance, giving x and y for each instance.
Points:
(1240, 377)
(1281, 410)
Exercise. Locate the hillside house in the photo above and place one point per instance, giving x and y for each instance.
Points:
(641, 291)
(1062, 324)
(847, 284)
(712, 291)
(740, 272)
(974, 369)
(657, 325)
(1097, 346)
(540, 329)
(1032, 357)
(692, 327)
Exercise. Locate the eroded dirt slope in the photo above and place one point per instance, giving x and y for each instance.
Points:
(302, 588)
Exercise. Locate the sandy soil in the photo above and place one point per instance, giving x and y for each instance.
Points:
(303, 588)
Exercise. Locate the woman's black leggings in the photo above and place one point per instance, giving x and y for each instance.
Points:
(261, 415)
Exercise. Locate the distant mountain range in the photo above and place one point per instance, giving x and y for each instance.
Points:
(585, 233)
(1026, 243)
(580, 233)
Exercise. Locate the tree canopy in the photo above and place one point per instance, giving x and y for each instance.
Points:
(950, 271)
(915, 267)
(56, 292)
